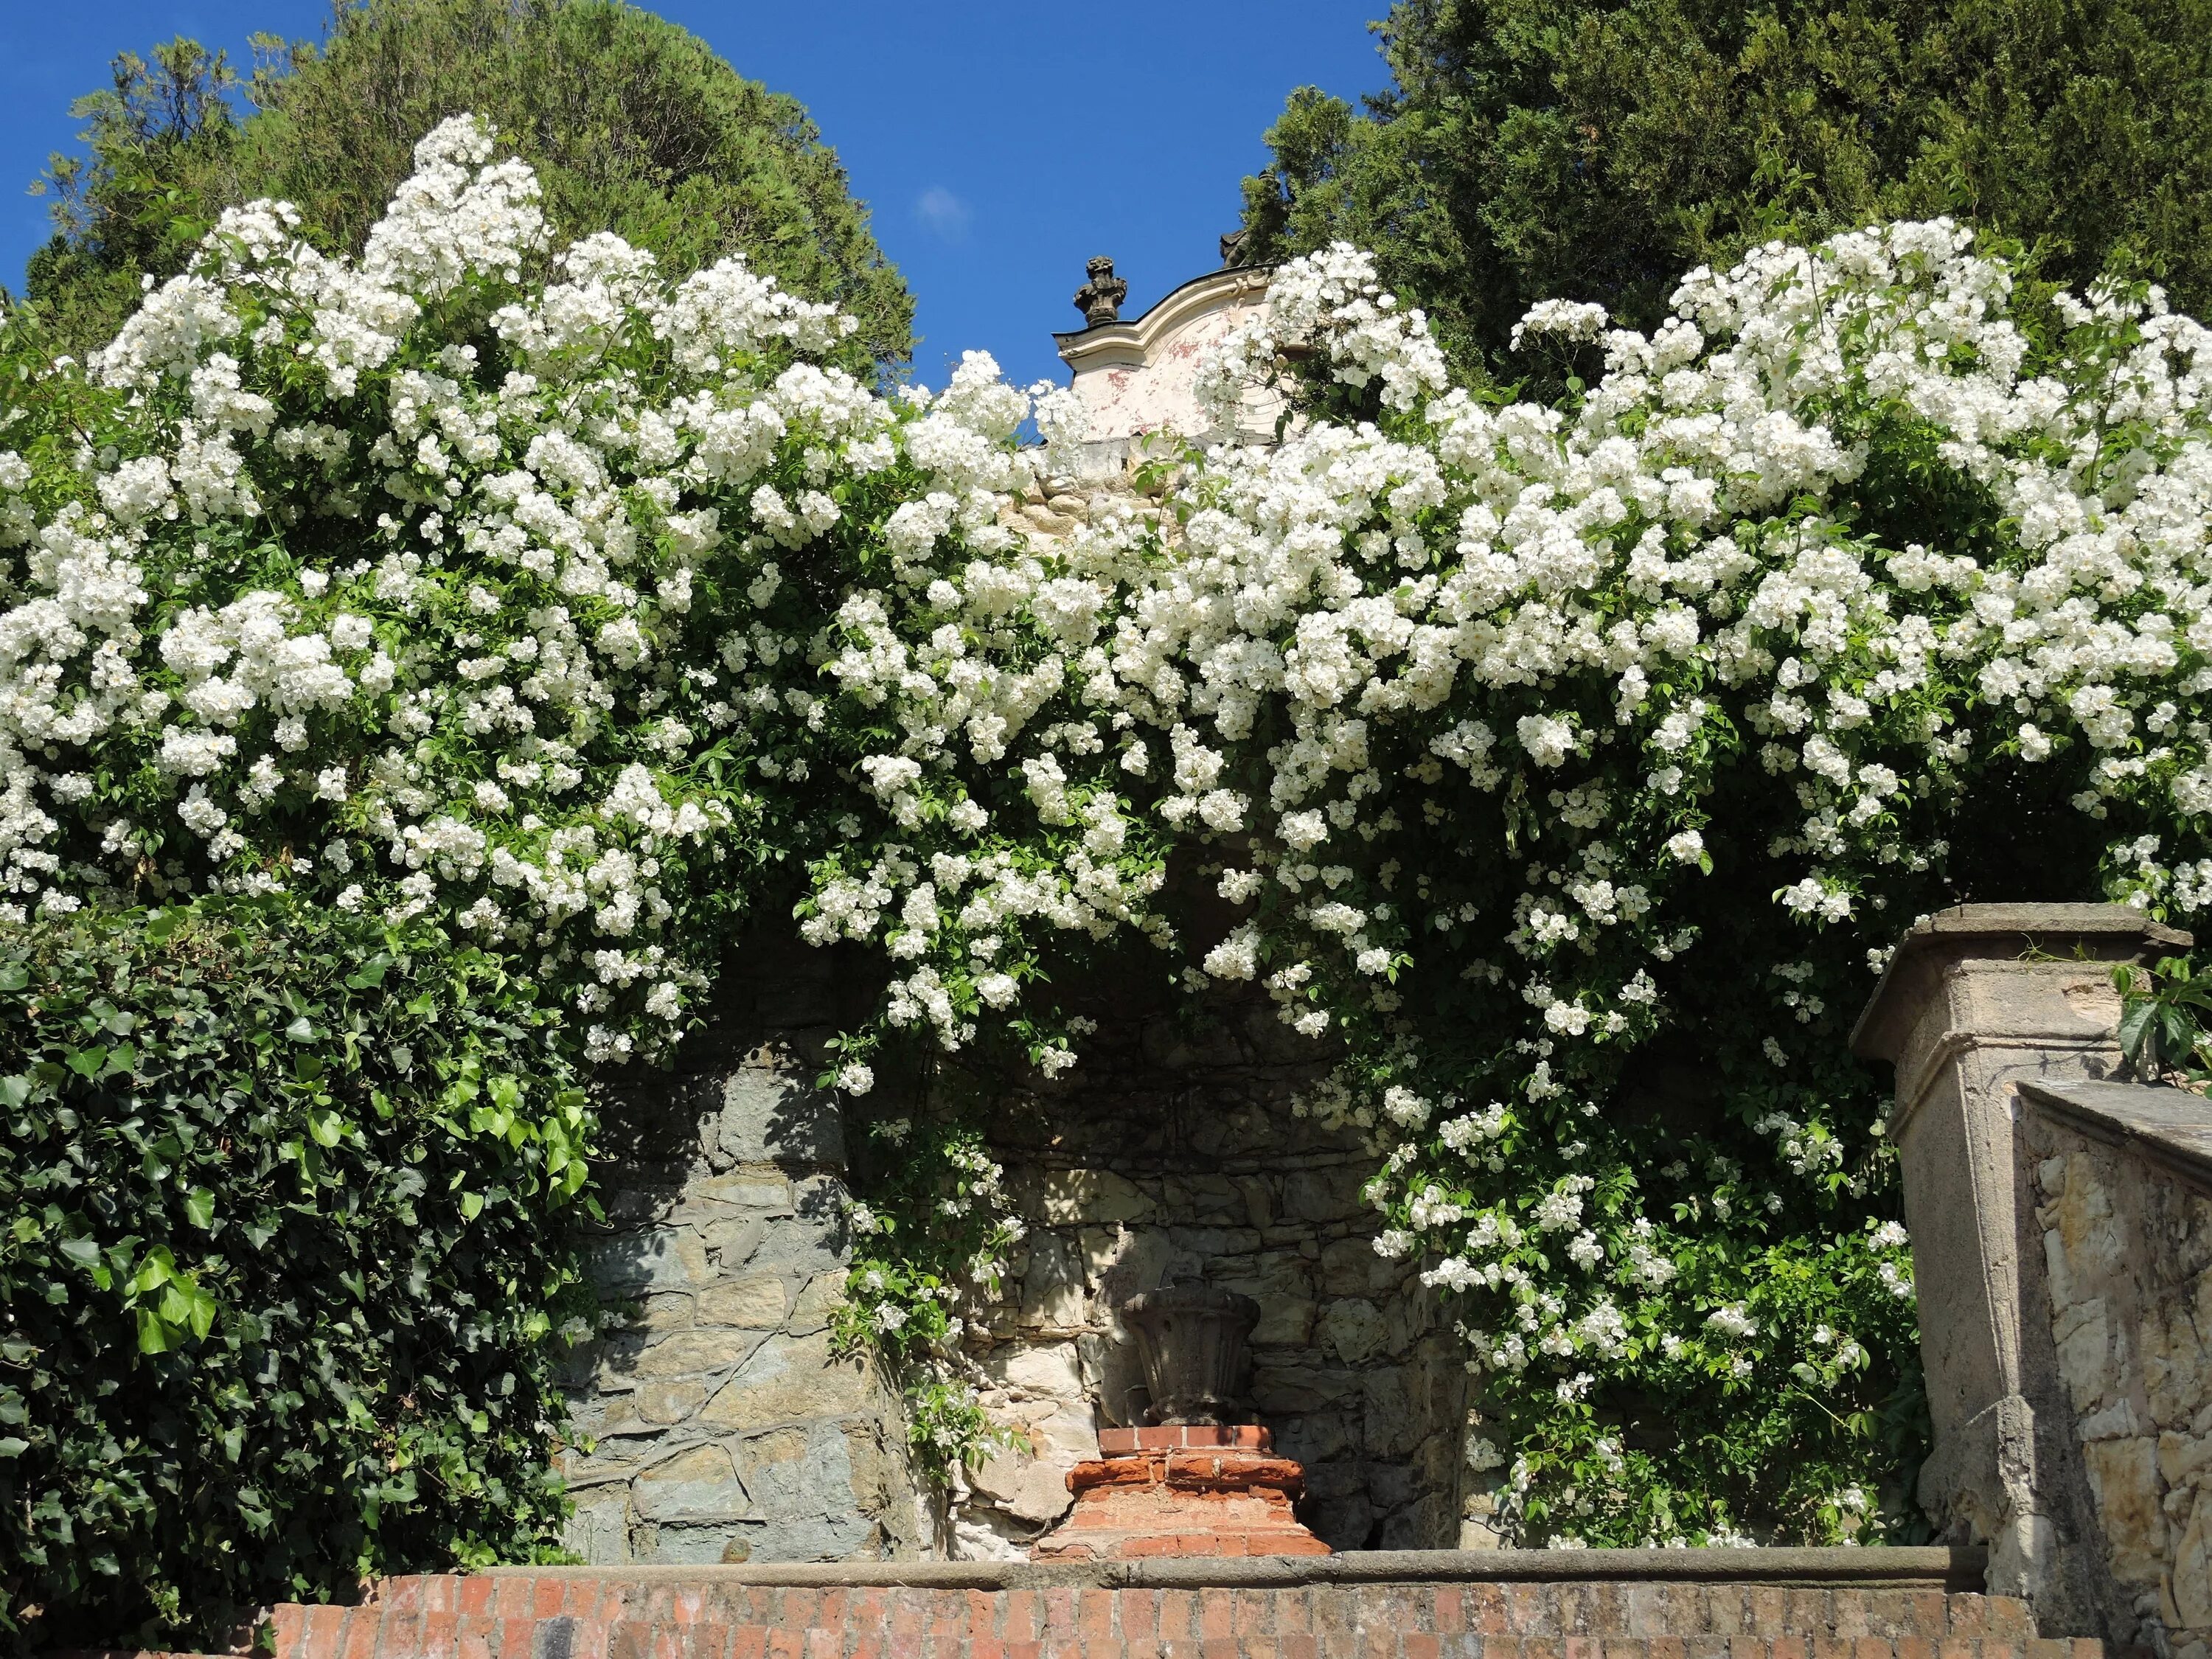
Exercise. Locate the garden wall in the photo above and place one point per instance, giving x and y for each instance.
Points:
(724, 1427)
(2122, 1198)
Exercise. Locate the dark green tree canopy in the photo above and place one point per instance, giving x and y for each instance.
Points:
(1594, 149)
(634, 125)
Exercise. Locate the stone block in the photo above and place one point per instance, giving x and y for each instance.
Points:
(661, 1312)
(2084, 1346)
(1209, 1201)
(598, 1530)
(2123, 1476)
(2176, 1365)
(769, 1197)
(1284, 1390)
(2192, 1567)
(665, 1257)
(795, 1473)
(1281, 1281)
(694, 1486)
(1071, 1197)
(731, 1240)
(677, 1545)
(820, 1538)
(757, 1303)
(667, 1403)
(1352, 1329)
(1032, 1489)
(693, 1353)
(1325, 1194)
(2183, 1459)
(798, 1252)
(1259, 1206)
(818, 1302)
(1391, 1425)
(1316, 1437)
(1140, 1260)
(1349, 1266)
(1052, 1284)
(1049, 1370)
(789, 1379)
(770, 1115)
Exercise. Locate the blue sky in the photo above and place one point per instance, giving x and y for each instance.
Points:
(999, 142)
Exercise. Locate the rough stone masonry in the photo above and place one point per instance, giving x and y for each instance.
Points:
(724, 1427)
(2061, 1242)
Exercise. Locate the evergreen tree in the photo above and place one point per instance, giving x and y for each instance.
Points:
(634, 125)
(1594, 149)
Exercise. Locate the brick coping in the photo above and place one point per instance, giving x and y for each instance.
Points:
(1952, 1567)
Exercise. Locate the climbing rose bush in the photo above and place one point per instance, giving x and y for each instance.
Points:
(1568, 768)
(546, 606)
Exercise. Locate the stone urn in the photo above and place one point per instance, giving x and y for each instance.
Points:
(1191, 1338)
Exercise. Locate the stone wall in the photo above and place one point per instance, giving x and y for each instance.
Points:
(1172, 1149)
(2126, 1224)
(723, 1426)
(725, 1430)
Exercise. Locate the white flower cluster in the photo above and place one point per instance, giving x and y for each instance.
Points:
(419, 586)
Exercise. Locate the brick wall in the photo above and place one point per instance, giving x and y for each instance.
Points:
(577, 1615)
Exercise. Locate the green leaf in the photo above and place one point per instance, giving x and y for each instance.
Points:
(199, 1207)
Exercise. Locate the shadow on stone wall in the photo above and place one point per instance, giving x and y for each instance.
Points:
(1172, 1148)
(725, 1428)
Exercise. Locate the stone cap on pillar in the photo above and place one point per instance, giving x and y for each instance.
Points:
(2003, 932)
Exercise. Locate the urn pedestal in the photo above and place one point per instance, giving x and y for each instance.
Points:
(1193, 1479)
(1182, 1490)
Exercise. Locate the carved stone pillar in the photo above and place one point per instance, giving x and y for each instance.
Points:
(1976, 1000)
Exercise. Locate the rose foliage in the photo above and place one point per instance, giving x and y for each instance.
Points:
(1569, 766)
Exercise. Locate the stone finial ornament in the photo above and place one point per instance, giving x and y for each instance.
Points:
(1100, 299)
